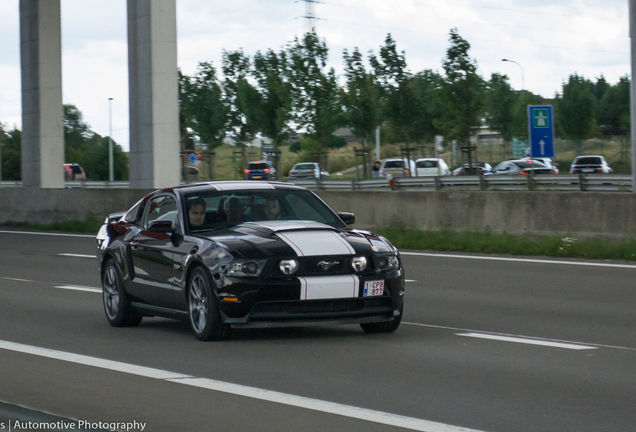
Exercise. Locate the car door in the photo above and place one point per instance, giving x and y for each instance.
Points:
(152, 254)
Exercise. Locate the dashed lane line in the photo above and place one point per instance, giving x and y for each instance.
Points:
(527, 341)
(76, 255)
(481, 332)
(48, 234)
(79, 288)
(16, 279)
(318, 405)
(528, 260)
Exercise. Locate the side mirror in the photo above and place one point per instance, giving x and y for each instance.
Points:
(163, 226)
(348, 218)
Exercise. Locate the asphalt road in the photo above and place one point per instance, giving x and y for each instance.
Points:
(486, 344)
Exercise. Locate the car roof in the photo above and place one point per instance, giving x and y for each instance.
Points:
(428, 158)
(233, 185)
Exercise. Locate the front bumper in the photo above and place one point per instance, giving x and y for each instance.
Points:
(278, 303)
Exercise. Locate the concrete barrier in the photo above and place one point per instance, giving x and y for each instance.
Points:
(582, 215)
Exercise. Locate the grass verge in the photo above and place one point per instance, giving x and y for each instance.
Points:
(490, 243)
(90, 225)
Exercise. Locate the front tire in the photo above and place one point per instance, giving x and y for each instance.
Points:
(384, 327)
(119, 312)
(203, 308)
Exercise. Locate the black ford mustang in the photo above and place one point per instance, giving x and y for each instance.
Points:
(239, 254)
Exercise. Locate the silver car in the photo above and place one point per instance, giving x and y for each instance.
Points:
(589, 165)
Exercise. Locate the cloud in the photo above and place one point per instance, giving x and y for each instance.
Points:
(551, 39)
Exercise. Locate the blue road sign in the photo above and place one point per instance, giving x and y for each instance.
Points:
(541, 130)
(192, 158)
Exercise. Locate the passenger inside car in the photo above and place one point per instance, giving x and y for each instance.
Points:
(196, 212)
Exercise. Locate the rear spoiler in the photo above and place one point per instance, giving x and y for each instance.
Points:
(114, 217)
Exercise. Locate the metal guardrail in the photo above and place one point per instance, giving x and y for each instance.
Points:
(561, 182)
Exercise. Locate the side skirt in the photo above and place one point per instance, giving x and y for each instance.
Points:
(151, 311)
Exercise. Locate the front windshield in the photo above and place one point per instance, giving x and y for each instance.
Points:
(212, 209)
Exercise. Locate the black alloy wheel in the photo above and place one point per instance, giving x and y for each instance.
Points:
(203, 308)
(119, 312)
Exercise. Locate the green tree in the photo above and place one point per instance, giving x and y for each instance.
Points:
(462, 91)
(425, 90)
(11, 156)
(613, 114)
(202, 106)
(361, 96)
(397, 98)
(271, 102)
(315, 91)
(239, 96)
(500, 101)
(575, 108)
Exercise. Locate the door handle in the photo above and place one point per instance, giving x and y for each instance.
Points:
(134, 244)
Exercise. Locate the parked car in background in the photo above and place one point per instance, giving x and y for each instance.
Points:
(479, 167)
(260, 170)
(521, 167)
(545, 161)
(307, 170)
(426, 167)
(590, 164)
(74, 172)
(398, 167)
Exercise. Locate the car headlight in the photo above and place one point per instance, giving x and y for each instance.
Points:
(359, 263)
(288, 267)
(387, 262)
(245, 268)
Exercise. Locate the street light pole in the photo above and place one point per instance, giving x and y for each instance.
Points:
(523, 84)
(111, 170)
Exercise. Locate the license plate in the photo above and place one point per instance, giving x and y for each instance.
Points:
(394, 171)
(588, 170)
(373, 288)
(257, 177)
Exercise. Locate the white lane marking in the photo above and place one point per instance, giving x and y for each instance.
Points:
(91, 361)
(49, 234)
(518, 336)
(322, 406)
(410, 280)
(77, 255)
(17, 279)
(240, 390)
(79, 288)
(526, 341)
(538, 261)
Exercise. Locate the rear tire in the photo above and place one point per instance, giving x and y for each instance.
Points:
(203, 308)
(384, 327)
(119, 312)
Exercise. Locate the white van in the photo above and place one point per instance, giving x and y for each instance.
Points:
(430, 167)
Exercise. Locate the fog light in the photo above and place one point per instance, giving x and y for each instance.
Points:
(359, 263)
(288, 267)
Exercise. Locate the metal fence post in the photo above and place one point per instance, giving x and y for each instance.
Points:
(582, 183)
(438, 185)
(483, 184)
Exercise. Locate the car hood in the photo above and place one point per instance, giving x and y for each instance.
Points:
(296, 239)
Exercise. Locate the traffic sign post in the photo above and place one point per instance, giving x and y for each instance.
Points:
(541, 130)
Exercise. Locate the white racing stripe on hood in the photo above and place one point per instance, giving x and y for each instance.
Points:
(314, 243)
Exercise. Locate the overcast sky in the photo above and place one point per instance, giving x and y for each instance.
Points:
(550, 39)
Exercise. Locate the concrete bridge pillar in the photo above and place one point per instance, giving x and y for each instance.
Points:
(42, 112)
(153, 94)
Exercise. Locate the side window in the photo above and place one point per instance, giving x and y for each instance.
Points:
(161, 208)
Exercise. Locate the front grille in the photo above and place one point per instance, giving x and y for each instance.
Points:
(316, 309)
(324, 266)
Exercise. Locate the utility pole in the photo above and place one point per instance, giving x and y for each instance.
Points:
(632, 31)
(310, 16)
(111, 168)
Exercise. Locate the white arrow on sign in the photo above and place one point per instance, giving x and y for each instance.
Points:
(542, 144)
